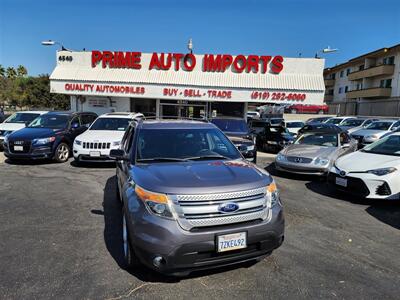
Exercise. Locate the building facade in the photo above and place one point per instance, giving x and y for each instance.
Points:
(365, 85)
(184, 85)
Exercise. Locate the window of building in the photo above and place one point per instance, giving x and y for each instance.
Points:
(340, 90)
(359, 86)
(348, 71)
(144, 106)
(341, 73)
(388, 60)
(360, 68)
(333, 75)
(386, 83)
(346, 89)
(330, 92)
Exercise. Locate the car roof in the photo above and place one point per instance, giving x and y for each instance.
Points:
(33, 112)
(123, 115)
(321, 127)
(176, 124)
(292, 121)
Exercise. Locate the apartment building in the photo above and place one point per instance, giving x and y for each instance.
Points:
(366, 85)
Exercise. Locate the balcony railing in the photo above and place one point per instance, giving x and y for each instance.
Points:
(329, 82)
(369, 93)
(371, 72)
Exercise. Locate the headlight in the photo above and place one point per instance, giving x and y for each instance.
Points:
(272, 195)
(117, 143)
(44, 141)
(77, 142)
(157, 204)
(321, 161)
(383, 171)
(5, 139)
(250, 148)
(280, 157)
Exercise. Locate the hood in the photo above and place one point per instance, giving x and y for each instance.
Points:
(364, 132)
(218, 176)
(34, 133)
(309, 151)
(101, 136)
(11, 126)
(362, 161)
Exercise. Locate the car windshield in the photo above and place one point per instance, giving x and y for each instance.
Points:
(231, 125)
(334, 121)
(379, 125)
(184, 144)
(389, 145)
(318, 139)
(118, 124)
(21, 117)
(294, 124)
(50, 121)
(352, 122)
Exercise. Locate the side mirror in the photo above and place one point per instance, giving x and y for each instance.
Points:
(118, 154)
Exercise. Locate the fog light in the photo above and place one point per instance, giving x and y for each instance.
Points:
(158, 261)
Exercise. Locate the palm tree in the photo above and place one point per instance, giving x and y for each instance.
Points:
(11, 73)
(2, 71)
(22, 71)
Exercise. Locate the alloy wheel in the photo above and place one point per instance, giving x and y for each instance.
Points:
(63, 153)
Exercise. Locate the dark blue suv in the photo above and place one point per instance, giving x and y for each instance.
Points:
(50, 135)
(191, 200)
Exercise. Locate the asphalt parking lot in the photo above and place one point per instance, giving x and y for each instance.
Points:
(60, 238)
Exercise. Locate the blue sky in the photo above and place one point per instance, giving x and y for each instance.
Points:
(285, 27)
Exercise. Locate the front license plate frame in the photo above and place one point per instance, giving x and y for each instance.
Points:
(94, 153)
(18, 148)
(341, 182)
(237, 240)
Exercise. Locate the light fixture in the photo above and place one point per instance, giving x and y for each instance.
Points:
(190, 45)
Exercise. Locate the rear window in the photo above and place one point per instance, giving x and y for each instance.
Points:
(334, 121)
(114, 124)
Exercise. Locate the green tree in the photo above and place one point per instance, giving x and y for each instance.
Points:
(22, 71)
(2, 71)
(11, 73)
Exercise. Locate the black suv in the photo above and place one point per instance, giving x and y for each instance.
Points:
(273, 138)
(50, 135)
(237, 130)
(190, 201)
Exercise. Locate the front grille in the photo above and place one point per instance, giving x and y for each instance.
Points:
(383, 190)
(26, 145)
(300, 160)
(202, 210)
(354, 185)
(87, 145)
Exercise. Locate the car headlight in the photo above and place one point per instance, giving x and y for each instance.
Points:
(156, 203)
(44, 140)
(321, 161)
(117, 143)
(272, 195)
(77, 142)
(382, 171)
(280, 157)
(5, 141)
(250, 148)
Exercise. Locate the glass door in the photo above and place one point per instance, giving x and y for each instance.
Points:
(183, 110)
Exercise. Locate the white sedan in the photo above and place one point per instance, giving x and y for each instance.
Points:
(373, 172)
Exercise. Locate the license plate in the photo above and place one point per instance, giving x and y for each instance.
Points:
(94, 153)
(234, 241)
(18, 148)
(341, 181)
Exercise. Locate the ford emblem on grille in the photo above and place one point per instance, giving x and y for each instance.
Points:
(228, 207)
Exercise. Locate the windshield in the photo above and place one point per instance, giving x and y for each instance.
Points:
(118, 124)
(231, 125)
(389, 145)
(379, 125)
(294, 124)
(184, 144)
(21, 117)
(318, 139)
(334, 121)
(352, 122)
(50, 121)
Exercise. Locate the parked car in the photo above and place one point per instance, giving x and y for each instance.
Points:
(50, 135)
(294, 126)
(104, 134)
(190, 201)
(317, 120)
(319, 127)
(17, 121)
(273, 138)
(374, 131)
(307, 109)
(354, 124)
(252, 115)
(373, 172)
(314, 152)
(337, 120)
(239, 133)
(390, 133)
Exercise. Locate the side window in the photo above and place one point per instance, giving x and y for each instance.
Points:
(127, 143)
(75, 122)
(396, 125)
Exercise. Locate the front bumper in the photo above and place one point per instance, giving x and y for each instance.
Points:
(186, 251)
(86, 155)
(39, 152)
(304, 169)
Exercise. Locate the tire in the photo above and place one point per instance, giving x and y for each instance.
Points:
(62, 153)
(293, 111)
(131, 261)
(321, 112)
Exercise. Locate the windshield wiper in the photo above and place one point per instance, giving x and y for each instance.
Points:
(155, 159)
(205, 157)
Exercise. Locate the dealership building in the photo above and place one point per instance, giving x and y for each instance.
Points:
(184, 85)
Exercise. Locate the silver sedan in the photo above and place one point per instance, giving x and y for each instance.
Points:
(314, 152)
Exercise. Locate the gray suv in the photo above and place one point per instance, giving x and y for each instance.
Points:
(191, 201)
